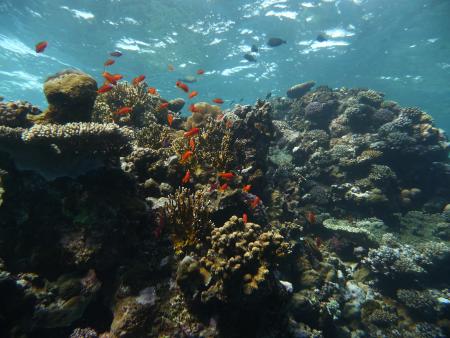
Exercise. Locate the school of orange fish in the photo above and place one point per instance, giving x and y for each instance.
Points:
(112, 79)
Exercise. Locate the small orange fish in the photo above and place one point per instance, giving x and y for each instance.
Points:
(170, 119)
(138, 79)
(109, 62)
(186, 177)
(244, 218)
(187, 154)
(227, 176)
(170, 67)
(192, 144)
(219, 117)
(124, 110)
(255, 202)
(40, 46)
(200, 72)
(109, 77)
(105, 88)
(311, 217)
(182, 86)
(223, 187)
(217, 100)
(163, 105)
(152, 90)
(193, 94)
(247, 188)
(193, 108)
(118, 77)
(192, 132)
(229, 124)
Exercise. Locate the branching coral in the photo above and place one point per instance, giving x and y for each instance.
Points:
(241, 260)
(136, 97)
(187, 216)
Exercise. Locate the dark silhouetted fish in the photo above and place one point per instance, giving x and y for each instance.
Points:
(269, 95)
(249, 57)
(321, 37)
(254, 48)
(274, 42)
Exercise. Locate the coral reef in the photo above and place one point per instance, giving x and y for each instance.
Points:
(70, 95)
(325, 214)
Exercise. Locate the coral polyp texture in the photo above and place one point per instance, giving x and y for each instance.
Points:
(324, 214)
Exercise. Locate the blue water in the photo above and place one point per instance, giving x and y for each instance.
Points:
(400, 47)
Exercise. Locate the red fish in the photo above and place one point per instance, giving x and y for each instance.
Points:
(105, 88)
(255, 202)
(109, 77)
(217, 100)
(192, 144)
(163, 105)
(118, 77)
(223, 187)
(227, 176)
(169, 119)
(229, 124)
(152, 90)
(40, 46)
(311, 217)
(116, 54)
(200, 72)
(193, 108)
(318, 241)
(124, 110)
(192, 132)
(219, 117)
(109, 62)
(186, 177)
(244, 218)
(187, 154)
(138, 79)
(192, 94)
(182, 86)
(247, 188)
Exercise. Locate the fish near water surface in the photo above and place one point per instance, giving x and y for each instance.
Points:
(40, 46)
(275, 42)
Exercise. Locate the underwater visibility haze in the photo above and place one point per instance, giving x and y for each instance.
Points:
(224, 169)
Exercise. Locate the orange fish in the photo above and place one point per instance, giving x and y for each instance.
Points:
(247, 188)
(227, 176)
(193, 94)
(169, 119)
(244, 218)
(219, 117)
(229, 124)
(193, 108)
(170, 67)
(124, 110)
(182, 86)
(217, 100)
(118, 77)
(192, 144)
(152, 90)
(192, 132)
(109, 77)
(40, 47)
(163, 105)
(255, 202)
(223, 187)
(186, 177)
(200, 72)
(138, 79)
(109, 62)
(105, 88)
(311, 217)
(187, 154)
